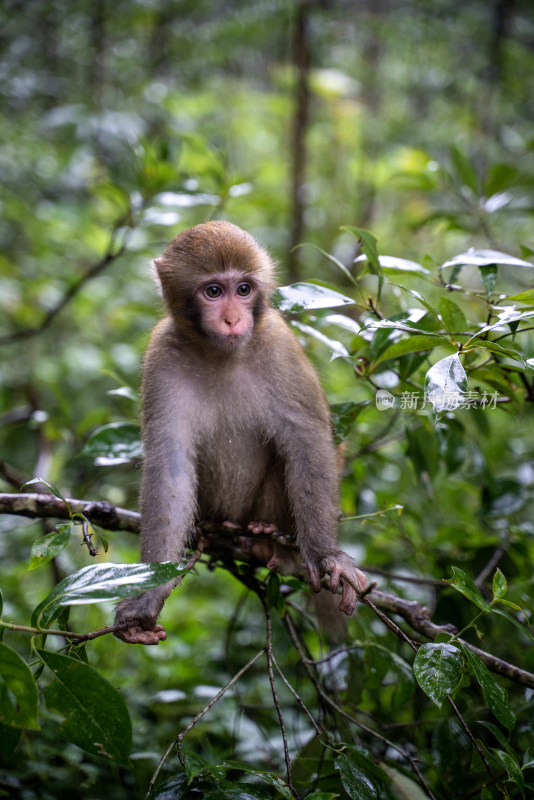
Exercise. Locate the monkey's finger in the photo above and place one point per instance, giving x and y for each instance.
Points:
(262, 527)
(138, 635)
(348, 600)
(335, 577)
(315, 577)
(274, 563)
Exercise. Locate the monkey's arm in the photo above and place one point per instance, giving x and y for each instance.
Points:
(168, 489)
(304, 440)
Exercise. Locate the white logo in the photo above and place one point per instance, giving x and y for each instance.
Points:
(384, 400)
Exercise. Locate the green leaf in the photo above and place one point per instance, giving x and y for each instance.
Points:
(100, 582)
(511, 618)
(18, 693)
(9, 738)
(344, 415)
(303, 296)
(97, 719)
(262, 774)
(496, 696)
(452, 753)
(511, 767)
(124, 391)
(47, 547)
(452, 315)
(368, 244)
(339, 264)
(500, 586)
(446, 383)
(507, 317)
(496, 731)
(413, 344)
(465, 169)
(438, 669)
(394, 264)
(488, 273)
(176, 788)
(422, 449)
(55, 491)
(465, 585)
(522, 297)
(338, 349)
(273, 597)
(481, 258)
(195, 765)
(495, 347)
(354, 780)
(116, 443)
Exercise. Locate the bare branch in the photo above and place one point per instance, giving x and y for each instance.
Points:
(37, 506)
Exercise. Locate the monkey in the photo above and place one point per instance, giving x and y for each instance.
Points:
(235, 426)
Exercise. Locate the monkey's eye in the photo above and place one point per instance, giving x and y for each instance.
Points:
(244, 289)
(213, 291)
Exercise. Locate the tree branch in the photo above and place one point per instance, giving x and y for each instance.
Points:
(111, 255)
(113, 518)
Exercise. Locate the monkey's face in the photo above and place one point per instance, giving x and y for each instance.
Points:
(226, 305)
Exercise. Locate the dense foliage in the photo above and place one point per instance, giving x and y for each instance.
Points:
(127, 122)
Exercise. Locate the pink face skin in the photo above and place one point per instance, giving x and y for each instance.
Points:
(226, 305)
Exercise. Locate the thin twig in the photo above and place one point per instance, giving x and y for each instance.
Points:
(319, 731)
(87, 538)
(472, 739)
(177, 742)
(270, 670)
(328, 700)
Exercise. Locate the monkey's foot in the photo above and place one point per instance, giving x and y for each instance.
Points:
(342, 569)
(262, 527)
(136, 634)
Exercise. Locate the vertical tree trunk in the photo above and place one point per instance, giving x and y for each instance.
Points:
(301, 62)
(97, 33)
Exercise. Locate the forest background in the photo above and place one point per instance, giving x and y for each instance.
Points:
(385, 151)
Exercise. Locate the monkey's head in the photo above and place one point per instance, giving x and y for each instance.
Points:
(216, 282)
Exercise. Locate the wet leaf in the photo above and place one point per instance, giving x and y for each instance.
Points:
(116, 443)
(496, 696)
(48, 547)
(100, 582)
(446, 383)
(18, 692)
(97, 719)
(354, 780)
(304, 296)
(394, 264)
(438, 669)
(482, 258)
(338, 350)
(466, 586)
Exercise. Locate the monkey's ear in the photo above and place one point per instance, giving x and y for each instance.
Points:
(155, 266)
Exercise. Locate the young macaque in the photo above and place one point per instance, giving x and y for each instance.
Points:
(235, 426)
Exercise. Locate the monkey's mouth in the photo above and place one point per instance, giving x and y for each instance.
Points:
(230, 341)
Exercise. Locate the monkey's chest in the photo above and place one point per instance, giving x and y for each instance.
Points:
(233, 468)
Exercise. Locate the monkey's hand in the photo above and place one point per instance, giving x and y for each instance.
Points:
(343, 571)
(139, 614)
